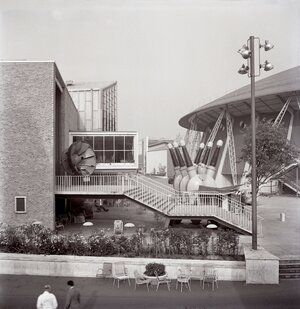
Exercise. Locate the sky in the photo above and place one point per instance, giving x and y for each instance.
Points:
(168, 56)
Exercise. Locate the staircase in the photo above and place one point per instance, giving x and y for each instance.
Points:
(174, 204)
(163, 198)
(289, 269)
(289, 177)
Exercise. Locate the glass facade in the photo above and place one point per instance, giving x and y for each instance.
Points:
(111, 149)
(109, 106)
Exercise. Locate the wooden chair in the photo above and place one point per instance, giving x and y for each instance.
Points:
(120, 273)
(140, 280)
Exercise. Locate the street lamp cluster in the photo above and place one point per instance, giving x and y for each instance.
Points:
(249, 52)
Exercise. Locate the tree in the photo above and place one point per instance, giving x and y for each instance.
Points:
(273, 151)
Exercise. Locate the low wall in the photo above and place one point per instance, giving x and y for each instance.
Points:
(78, 266)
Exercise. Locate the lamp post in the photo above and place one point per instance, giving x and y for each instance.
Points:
(249, 52)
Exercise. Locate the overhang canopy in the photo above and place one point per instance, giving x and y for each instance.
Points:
(270, 95)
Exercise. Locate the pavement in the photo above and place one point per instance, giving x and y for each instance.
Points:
(281, 238)
(21, 292)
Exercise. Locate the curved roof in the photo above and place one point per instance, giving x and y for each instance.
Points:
(271, 93)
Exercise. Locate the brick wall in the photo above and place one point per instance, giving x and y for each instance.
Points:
(27, 145)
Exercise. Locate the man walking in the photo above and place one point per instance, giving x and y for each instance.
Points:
(73, 296)
(46, 300)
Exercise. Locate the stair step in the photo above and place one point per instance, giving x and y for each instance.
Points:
(289, 276)
(289, 279)
(288, 262)
(289, 270)
(289, 266)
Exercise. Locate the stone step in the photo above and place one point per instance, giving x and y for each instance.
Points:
(289, 270)
(287, 262)
(289, 265)
(289, 276)
(282, 279)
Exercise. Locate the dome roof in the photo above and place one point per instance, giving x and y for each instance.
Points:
(271, 93)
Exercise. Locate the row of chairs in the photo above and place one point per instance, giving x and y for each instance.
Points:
(119, 272)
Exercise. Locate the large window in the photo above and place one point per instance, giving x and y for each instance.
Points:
(110, 148)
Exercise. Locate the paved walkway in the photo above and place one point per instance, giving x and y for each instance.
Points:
(280, 238)
(21, 292)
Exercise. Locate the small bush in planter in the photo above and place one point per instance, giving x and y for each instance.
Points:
(152, 268)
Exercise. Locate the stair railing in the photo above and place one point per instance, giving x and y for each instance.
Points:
(165, 200)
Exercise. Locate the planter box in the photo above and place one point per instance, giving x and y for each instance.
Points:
(85, 266)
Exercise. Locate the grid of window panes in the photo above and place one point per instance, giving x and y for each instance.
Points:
(109, 99)
(110, 149)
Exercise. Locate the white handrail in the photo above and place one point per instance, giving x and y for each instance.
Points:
(156, 183)
(166, 201)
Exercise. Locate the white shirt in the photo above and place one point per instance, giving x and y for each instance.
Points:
(46, 301)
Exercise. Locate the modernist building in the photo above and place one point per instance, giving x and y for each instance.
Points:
(277, 99)
(96, 104)
(39, 119)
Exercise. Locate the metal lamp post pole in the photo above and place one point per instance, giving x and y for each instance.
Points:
(248, 52)
(253, 124)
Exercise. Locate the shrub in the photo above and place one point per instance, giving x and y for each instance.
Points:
(58, 245)
(122, 245)
(137, 243)
(78, 245)
(180, 242)
(155, 268)
(227, 242)
(201, 240)
(36, 239)
(101, 245)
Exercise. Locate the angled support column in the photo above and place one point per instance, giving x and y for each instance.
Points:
(215, 130)
(231, 148)
(282, 112)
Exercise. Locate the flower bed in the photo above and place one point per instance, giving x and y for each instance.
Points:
(164, 243)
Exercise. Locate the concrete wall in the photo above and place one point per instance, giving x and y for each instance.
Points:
(27, 95)
(76, 266)
(262, 267)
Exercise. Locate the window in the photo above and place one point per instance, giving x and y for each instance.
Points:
(77, 138)
(98, 143)
(129, 142)
(109, 143)
(119, 142)
(89, 140)
(110, 149)
(20, 204)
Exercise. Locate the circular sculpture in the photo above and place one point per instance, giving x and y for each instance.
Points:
(79, 159)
